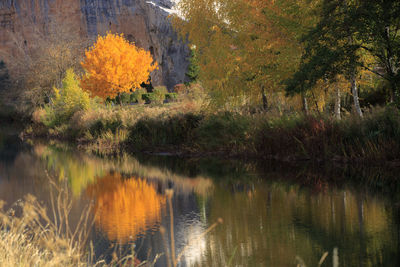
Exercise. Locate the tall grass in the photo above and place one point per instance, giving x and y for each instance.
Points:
(30, 235)
(32, 238)
(376, 137)
(185, 128)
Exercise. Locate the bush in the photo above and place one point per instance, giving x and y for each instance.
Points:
(171, 97)
(179, 88)
(148, 98)
(71, 97)
(123, 99)
(137, 95)
(159, 93)
(192, 92)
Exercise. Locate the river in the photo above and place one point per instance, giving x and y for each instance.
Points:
(265, 214)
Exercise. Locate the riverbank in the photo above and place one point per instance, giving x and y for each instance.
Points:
(188, 130)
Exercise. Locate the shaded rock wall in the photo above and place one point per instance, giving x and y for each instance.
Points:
(144, 22)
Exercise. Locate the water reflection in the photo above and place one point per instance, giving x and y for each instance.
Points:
(81, 170)
(125, 208)
(273, 225)
(277, 217)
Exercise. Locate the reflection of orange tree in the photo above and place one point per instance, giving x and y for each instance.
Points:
(125, 208)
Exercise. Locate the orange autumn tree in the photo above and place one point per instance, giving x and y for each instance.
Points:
(125, 208)
(113, 65)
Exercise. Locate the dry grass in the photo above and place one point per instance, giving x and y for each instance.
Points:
(32, 236)
(129, 115)
(33, 239)
(184, 127)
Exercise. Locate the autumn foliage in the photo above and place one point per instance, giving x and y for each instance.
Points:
(113, 65)
(126, 208)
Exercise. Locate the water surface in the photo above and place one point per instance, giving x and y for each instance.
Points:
(272, 215)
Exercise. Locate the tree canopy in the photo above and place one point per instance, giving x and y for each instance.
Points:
(113, 66)
(245, 46)
(351, 36)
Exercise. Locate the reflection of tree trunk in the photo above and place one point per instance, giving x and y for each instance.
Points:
(344, 213)
(335, 257)
(354, 91)
(337, 103)
(305, 103)
(396, 218)
(333, 213)
(360, 207)
(264, 98)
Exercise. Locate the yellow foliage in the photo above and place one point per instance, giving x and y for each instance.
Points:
(113, 65)
(71, 97)
(125, 208)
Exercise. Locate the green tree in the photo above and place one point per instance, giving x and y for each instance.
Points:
(194, 68)
(377, 27)
(347, 36)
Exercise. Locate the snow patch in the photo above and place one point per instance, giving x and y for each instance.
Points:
(165, 5)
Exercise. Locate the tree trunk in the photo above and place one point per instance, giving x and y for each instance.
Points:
(390, 66)
(394, 95)
(354, 91)
(315, 102)
(305, 104)
(337, 103)
(264, 99)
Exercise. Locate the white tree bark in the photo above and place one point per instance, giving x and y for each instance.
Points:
(337, 103)
(354, 91)
(305, 104)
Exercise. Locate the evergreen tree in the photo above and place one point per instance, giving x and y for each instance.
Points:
(194, 68)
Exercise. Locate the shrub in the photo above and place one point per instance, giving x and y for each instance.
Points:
(70, 98)
(137, 95)
(159, 93)
(171, 97)
(123, 98)
(179, 88)
(148, 98)
(192, 92)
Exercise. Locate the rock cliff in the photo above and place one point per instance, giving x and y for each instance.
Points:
(145, 22)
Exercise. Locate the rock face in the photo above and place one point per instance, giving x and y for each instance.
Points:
(144, 22)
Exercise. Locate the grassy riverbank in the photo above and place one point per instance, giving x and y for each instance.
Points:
(188, 130)
(32, 236)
